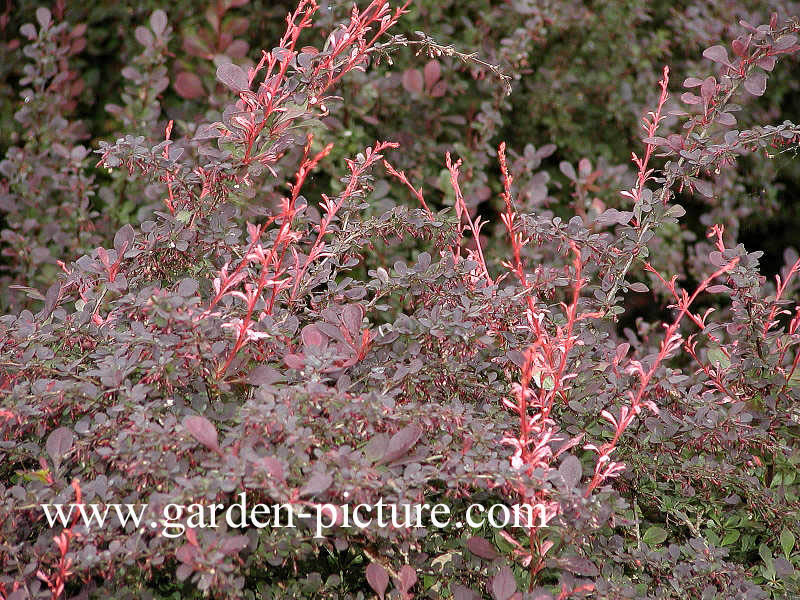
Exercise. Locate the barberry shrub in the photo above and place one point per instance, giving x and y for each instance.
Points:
(229, 326)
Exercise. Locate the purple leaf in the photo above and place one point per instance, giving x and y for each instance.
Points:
(187, 287)
(692, 82)
(655, 141)
(51, 298)
(546, 150)
(715, 258)
(726, 118)
(237, 49)
(352, 314)
(463, 593)
(312, 336)
(718, 289)
(690, 98)
(44, 16)
(208, 131)
(28, 30)
(234, 544)
(130, 73)
(433, 71)
(740, 44)
(59, 442)
(274, 467)
(295, 361)
(183, 571)
(567, 169)
(144, 36)
(439, 90)
(579, 566)
(708, 88)
(571, 470)
(756, 84)
(233, 77)
(785, 41)
(717, 53)
(412, 81)
(482, 548)
(516, 357)
(158, 21)
(408, 577)
(639, 287)
(124, 237)
(263, 375)
(318, 483)
(376, 447)
(613, 216)
(503, 584)
(767, 62)
(378, 579)
(401, 442)
(188, 85)
(203, 431)
(704, 187)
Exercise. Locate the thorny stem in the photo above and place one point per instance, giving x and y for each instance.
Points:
(668, 345)
(650, 125)
(434, 50)
(672, 176)
(463, 212)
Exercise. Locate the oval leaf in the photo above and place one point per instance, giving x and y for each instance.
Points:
(463, 593)
(44, 17)
(432, 73)
(571, 470)
(352, 314)
(412, 81)
(263, 375)
(567, 169)
(28, 30)
(579, 566)
(312, 336)
(158, 21)
(378, 579)
(408, 577)
(717, 53)
(144, 36)
(503, 584)
(233, 77)
(482, 547)
(124, 238)
(756, 84)
(59, 442)
(401, 442)
(188, 85)
(787, 542)
(203, 431)
(187, 287)
(654, 536)
(726, 118)
(318, 483)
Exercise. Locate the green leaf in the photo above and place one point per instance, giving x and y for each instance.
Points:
(794, 380)
(717, 356)
(766, 555)
(654, 535)
(787, 542)
(730, 537)
(548, 383)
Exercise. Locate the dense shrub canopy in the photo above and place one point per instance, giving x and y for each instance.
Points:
(402, 257)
